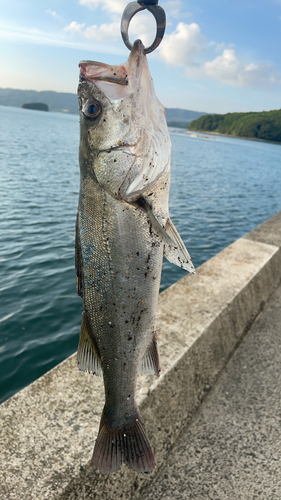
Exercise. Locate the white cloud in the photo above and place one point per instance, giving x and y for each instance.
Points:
(52, 13)
(218, 46)
(180, 47)
(188, 47)
(116, 6)
(74, 27)
(227, 68)
(103, 32)
(142, 26)
(59, 39)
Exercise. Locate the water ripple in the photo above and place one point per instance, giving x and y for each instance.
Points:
(220, 190)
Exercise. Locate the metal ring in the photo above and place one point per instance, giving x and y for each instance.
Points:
(160, 18)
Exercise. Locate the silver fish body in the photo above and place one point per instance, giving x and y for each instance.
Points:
(123, 228)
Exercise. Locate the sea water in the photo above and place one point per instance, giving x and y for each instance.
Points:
(221, 188)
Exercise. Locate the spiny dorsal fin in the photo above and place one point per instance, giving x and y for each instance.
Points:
(88, 359)
(174, 248)
(150, 364)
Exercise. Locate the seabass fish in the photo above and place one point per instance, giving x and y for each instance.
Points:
(123, 228)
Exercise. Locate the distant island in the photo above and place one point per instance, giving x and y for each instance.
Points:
(264, 125)
(39, 106)
(63, 102)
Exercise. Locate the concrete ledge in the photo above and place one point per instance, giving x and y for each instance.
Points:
(48, 428)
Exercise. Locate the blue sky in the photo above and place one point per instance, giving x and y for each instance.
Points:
(217, 55)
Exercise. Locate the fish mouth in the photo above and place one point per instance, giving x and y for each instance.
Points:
(96, 72)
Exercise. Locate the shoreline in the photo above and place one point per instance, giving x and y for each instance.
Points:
(234, 136)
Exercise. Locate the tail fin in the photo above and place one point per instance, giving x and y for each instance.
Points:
(128, 445)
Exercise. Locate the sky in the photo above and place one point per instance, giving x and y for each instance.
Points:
(217, 56)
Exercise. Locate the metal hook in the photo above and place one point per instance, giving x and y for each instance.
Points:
(159, 15)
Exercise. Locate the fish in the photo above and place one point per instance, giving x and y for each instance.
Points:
(123, 229)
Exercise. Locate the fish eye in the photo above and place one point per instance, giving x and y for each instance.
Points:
(92, 109)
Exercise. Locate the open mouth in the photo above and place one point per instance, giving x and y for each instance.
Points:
(95, 71)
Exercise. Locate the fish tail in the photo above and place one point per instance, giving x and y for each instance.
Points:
(129, 445)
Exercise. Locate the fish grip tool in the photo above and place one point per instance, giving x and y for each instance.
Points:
(159, 15)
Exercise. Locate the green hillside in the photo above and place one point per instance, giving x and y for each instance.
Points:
(262, 125)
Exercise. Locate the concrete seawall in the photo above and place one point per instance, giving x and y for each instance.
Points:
(48, 429)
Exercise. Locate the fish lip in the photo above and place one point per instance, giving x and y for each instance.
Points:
(93, 79)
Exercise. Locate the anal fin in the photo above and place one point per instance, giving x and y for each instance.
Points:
(150, 364)
(88, 359)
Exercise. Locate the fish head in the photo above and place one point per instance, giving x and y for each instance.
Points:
(123, 125)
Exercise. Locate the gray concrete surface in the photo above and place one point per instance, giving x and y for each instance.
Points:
(232, 449)
(47, 430)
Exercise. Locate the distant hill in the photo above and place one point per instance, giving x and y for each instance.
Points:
(68, 103)
(264, 125)
(183, 116)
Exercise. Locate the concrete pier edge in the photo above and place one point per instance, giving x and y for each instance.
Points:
(48, 429)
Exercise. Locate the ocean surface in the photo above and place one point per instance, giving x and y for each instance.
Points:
(221, 189)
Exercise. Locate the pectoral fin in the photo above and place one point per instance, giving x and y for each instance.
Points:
(177, 253)
(88, 358)
(150, 364)
(174, 248)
